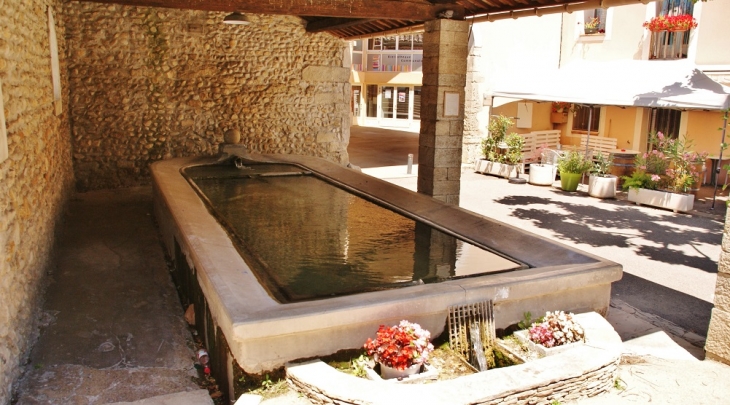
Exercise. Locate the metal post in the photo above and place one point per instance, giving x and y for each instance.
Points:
(719, 160)
(410, 164)
(588, 134)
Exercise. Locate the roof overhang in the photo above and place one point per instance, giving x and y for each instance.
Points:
(627, 83)
(351, 19)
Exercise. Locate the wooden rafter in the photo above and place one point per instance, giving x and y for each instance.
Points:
(328, 24)
(414, 10)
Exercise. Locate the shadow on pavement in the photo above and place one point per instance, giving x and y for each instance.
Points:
(693, 314)
(619, 225)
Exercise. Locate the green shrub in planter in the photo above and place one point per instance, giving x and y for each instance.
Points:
(574, 162)
(571, 167)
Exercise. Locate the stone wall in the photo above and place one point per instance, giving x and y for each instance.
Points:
(150, 83)
(718, 336)
(36, 179)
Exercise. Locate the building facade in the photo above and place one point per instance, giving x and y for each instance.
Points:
(620, 34)
(386, 78)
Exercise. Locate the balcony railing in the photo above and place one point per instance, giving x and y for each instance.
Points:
(669, 45)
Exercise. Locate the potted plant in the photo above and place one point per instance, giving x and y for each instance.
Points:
(572, 166)
(683, 22)
(555, 330)
(657, 24)
(665, 176)
(559, 112)
(495, 149)
(591, 27)
(543, 173)
(601, 183)
(400, 350)
(513, 155)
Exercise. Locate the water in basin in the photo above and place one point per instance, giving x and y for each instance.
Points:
(305, 238)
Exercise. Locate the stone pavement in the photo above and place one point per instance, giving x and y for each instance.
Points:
(113, 325)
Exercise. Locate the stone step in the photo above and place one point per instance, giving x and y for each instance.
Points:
(198, 397)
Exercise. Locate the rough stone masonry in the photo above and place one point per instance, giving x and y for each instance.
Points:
(138, 85)
(150, 83)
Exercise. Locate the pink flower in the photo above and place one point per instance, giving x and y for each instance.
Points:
(655, 177)
(660, 135)
(642, 167)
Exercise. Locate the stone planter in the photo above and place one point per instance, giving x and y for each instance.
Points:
(662, 199)
(542, 174)
(602, 186)
(496, 169)
(570, 181)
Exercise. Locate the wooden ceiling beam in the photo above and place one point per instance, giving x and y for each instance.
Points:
(328, 24)
(415, 10)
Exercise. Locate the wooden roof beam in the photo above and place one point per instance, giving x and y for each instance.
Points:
(414, 10)
(329, 24)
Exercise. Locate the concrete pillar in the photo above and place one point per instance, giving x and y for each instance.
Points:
(717, 346)
(445, 49)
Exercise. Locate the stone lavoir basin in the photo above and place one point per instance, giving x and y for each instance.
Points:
(291, 257)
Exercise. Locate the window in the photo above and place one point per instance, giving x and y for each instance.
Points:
(671, 45)
(599, 14)
(396, 53)
(418, 41)
(357, 56)
(665, 121)
(371, 101)
(390, 43)
(674, 7)
(355, 101)
(417, 103)
(582, 116)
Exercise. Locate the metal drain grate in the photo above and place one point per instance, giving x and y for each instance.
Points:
(472, 332)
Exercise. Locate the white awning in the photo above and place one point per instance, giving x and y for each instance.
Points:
(636, 83)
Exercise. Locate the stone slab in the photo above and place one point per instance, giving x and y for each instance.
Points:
(197, 397)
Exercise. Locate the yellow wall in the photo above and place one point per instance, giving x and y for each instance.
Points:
(540, 116)
(620, 125)
(702, 130)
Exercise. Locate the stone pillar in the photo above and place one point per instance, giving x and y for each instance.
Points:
(717, 346)
(445, 49)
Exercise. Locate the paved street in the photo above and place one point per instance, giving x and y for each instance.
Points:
(669, 260)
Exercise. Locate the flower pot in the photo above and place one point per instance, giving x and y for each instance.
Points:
(590, 31)
(542, 351)
(388, 373)
(602, 186)
(570, 181)
(542, 174)
(662, 199)
(558, 118)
